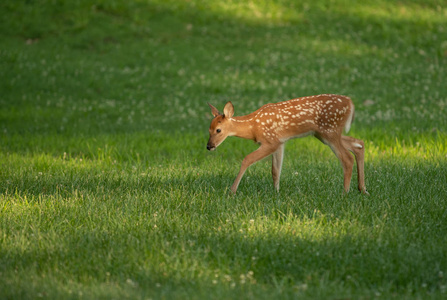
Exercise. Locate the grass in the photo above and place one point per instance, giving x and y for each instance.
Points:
(107, 190)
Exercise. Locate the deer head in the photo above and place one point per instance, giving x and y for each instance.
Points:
(221, 126)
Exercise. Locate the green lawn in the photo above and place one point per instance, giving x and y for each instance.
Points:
(108, 191)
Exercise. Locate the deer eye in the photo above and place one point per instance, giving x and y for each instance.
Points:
(218, 130)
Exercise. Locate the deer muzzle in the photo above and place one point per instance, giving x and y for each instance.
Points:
(210, 147)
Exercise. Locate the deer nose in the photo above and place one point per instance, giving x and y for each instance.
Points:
(208, 147)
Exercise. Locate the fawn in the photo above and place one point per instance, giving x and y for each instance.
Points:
(323, 116)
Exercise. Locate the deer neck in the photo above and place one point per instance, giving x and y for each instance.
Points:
(242, 127)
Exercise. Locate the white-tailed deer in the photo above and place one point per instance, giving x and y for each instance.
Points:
(323, 116)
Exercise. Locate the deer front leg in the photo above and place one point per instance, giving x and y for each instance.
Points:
(250, 159)
(277, 160)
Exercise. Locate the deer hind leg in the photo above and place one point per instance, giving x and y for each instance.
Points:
(250, 159)
(357, 147)
(335, 142)
(277, 165)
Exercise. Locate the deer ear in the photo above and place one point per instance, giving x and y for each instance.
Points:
(229, 110)
(214, 111)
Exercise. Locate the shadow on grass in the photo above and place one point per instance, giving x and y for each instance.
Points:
(106, 236)
(171, 261)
